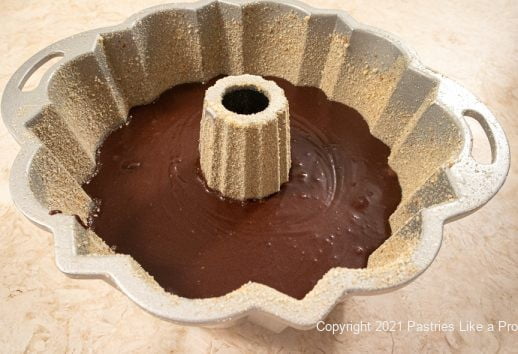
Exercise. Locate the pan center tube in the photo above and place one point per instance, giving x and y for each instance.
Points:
(245, 137)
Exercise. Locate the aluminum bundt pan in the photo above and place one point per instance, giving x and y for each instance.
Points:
(415, 111)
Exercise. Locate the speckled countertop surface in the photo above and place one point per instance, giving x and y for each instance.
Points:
(474, 278)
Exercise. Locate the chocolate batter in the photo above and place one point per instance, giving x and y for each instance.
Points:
(155, 206)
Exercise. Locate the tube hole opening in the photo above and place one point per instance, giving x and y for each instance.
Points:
(245, 101)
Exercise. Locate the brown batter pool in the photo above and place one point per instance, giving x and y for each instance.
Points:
(155, 206)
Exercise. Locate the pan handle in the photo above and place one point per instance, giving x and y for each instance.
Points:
(19, 106)
(475, 183)
(34, 64)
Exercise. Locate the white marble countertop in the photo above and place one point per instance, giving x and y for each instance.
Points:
(474, 278)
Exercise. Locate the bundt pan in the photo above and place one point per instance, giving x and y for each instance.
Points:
(103, 73)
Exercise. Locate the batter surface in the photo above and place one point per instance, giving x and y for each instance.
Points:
(155, 206)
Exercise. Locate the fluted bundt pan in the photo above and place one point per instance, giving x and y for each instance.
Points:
(105, 72)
